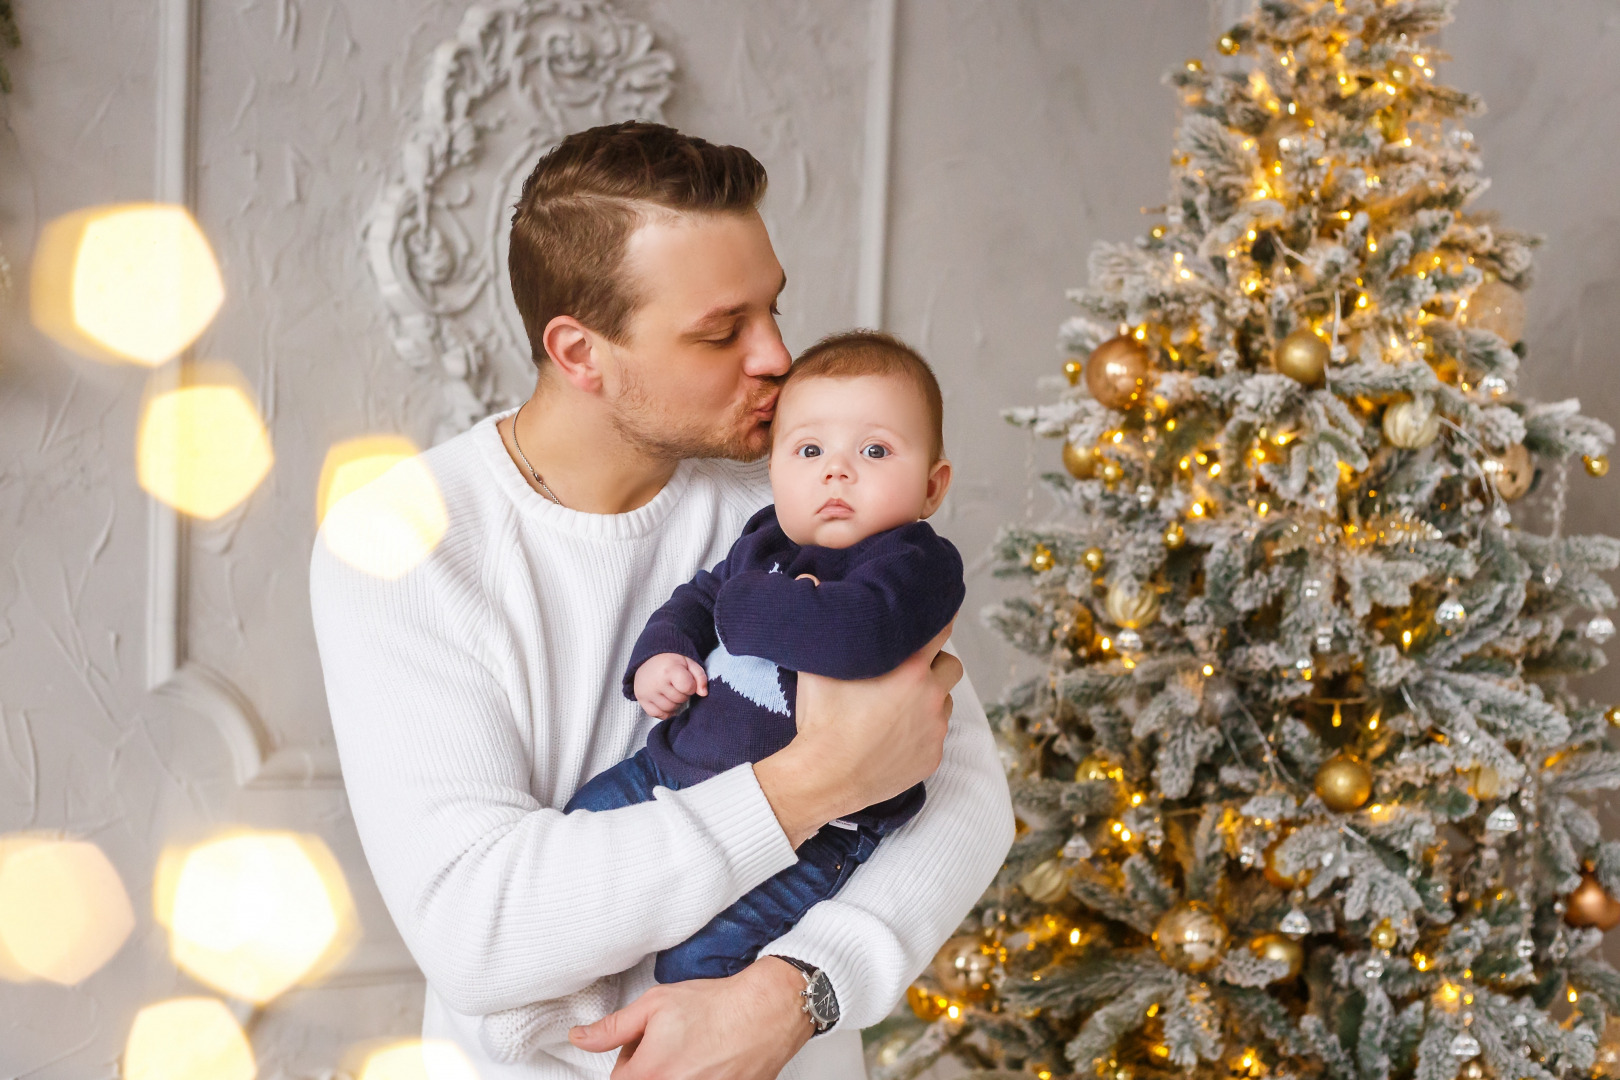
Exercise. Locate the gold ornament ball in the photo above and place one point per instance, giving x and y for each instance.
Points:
(962, 968)
(1591, 905)
(1499, 308)
(1117, 372)
(1612, 715)
(1228, 45)
(1071, 370)
(1047, 883)
(1384, 936)
(1596, 465)
(1344, 783)
(1175, 536)
(1081, 461)
(1282, 881)
(1190, 936)
(1411, 424)
(1486, 784)
(1130, 607)
(1302, 356)
(1094, 559)
(1472, 1070)
(1511, 471)
(927, 1005)
(1075, 634)
(1041, 559)
(1112, 472)
(1280, 947)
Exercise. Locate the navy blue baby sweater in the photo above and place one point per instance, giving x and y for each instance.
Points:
(754, 627)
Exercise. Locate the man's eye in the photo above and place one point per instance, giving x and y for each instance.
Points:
(810, 450)
(727, 340)
(875, 451)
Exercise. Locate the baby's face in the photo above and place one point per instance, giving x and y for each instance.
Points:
(851, 457)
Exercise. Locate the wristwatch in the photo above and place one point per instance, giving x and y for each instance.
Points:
(820, 1003)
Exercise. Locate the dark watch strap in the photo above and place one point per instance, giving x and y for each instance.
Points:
(820, 1002)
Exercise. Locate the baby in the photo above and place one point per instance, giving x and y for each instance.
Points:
(841, 578)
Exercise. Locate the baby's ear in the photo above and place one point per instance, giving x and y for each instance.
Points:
(939, 482)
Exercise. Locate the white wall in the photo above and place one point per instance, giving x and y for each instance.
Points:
(1024, 130)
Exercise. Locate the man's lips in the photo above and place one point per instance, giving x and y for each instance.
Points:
(835, 508)
(767, 409)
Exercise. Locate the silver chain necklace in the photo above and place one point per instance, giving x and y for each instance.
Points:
(545, 489)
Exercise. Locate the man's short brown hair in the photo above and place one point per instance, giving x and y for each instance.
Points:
(853, 353)
(584, 199)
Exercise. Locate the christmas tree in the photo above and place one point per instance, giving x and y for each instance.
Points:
(1301, 783)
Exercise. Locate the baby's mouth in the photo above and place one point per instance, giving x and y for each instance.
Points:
(835, 508)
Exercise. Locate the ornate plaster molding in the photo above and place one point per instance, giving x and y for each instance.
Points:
(517, 77)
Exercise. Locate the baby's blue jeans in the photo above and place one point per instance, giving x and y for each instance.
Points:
(732, 939)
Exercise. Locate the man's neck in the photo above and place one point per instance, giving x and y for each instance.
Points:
(584, 460)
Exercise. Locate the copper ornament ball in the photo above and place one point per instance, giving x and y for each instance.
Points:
(1190, 936)
(1591, 905)
(1344, 783)
(1499, 308)
(1117, 372)
(1280, 947)
(1081, 461)
(1302, 356)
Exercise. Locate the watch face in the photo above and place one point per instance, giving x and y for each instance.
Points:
(823, 1003)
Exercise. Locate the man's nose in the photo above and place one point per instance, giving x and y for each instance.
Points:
(769, 358)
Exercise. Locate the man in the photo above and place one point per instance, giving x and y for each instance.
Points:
(474, 694)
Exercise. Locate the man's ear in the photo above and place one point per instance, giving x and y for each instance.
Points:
(939, 482)
(571, 347)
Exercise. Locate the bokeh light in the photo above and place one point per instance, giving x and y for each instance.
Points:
(187, 1039)
(419, 1059)
(201, 447)
(380, 508)
(63, 909)
(255, 913)
(135, 282)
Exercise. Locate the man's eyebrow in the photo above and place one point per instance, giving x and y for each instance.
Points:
(734, 310)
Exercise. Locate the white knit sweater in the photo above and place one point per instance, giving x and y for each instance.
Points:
(472, 696)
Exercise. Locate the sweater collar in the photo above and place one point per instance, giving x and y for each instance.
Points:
(537, 508)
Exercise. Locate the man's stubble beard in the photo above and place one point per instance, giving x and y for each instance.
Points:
(644, 422)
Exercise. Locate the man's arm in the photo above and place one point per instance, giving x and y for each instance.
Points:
(879, 932)
(503, 901)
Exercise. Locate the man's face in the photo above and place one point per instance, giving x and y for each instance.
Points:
(698, 372)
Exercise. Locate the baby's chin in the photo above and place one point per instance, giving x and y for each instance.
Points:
(838, 533)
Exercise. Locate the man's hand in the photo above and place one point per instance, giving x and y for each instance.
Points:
(746, 1027)
(664, 683)
(861, 741)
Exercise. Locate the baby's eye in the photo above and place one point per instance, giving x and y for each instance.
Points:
(809, 450)
(875, 451)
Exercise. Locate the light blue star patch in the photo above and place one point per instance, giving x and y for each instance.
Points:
(752, 677)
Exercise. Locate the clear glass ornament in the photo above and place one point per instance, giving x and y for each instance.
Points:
(1552, 575)
(1502, 820)
(1450, 613)
(1494, 385)
(1464, 1045)
(1373, 969)
(1524, 948)
(1128, 640)
(1502, 515)
(1600, 628)
(1077, 848)
(1324, 638)
(1144, 494)
(1312, 588)
(1295, 922)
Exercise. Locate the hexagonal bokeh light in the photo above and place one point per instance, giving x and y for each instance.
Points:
(63, 909)
(187, 1039)
(136, 282)
(255, 913)
(380, 508)
(418, 1059)
(201, 447)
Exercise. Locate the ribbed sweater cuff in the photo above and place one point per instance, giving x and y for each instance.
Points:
(848, 944)
(732, 808)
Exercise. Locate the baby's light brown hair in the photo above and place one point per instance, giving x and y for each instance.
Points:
(853, 353)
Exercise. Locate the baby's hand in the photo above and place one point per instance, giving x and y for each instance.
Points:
(664, 682)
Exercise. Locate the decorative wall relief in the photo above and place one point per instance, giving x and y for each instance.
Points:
(516, 78)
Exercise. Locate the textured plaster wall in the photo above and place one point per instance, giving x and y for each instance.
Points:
(1024, 130)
